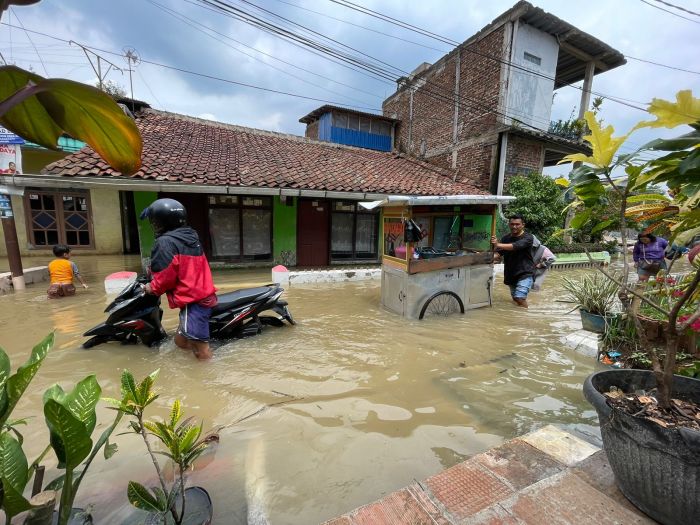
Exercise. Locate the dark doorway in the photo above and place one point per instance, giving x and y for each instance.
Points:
(312, 232)
(130, 232)
(196, 206)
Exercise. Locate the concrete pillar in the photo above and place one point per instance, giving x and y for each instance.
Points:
(455, 121)
(586, 92)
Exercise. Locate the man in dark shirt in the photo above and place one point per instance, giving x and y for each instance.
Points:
(519, 266)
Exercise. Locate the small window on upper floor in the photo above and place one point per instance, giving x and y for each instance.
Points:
(533, 58)
(354, 122)
(364, 124)
(340, 120)
(381, 127)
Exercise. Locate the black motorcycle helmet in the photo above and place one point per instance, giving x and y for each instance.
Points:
(165, 215)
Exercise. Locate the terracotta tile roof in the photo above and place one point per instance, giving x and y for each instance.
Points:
(184, 149)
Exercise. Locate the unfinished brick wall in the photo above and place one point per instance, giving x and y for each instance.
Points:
(523, 156)
(312, 130)
(431, 128)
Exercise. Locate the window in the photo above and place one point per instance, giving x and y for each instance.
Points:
(532, 58)
(381, 127)
(354, 122)
(240, 227)
(364, 124)
(340, 120)
(56, 217)
(354, 232)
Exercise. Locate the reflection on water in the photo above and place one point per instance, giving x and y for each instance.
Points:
(371, 401)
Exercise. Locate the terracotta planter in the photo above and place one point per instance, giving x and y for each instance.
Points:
(654, 330)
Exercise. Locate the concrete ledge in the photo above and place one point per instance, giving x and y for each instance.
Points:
(37, 274)
(583, 341)
(334, 276)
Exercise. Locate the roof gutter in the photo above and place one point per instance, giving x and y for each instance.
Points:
(122, 184)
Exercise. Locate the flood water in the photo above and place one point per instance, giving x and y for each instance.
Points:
(370, 401)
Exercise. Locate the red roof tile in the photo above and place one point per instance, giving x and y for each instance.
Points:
(184, 149)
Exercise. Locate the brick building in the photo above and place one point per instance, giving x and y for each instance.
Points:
(484, 109)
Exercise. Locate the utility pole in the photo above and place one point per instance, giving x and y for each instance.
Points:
(11, 243)
(132, 59)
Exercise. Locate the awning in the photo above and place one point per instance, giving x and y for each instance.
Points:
(437, 200)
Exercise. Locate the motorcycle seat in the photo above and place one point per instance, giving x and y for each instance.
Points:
(233, 299)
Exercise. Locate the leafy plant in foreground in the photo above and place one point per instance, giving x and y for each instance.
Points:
(679, 169)
(70, 418)
(182, 440)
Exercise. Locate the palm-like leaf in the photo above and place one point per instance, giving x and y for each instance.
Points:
(68, 436)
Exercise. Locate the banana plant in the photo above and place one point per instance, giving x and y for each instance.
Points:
(70, 417)
(182, 441)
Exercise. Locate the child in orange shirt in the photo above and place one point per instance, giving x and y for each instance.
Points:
(62, 272)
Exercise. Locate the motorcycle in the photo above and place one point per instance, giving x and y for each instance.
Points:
(136, 316)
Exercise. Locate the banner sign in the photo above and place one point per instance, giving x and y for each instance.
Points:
(7, 137)
(5, 206)
(10, 159)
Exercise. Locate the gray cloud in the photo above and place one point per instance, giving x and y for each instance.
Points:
(628, 25)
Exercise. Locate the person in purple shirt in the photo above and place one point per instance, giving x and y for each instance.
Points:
(648, 255)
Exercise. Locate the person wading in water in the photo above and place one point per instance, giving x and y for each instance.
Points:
(181, 271)
(519, 266)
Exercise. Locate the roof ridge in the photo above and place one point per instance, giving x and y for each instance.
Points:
(263, 132)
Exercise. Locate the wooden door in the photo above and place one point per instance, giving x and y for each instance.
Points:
(312, 232)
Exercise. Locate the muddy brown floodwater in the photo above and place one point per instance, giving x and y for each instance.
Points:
(373, 401)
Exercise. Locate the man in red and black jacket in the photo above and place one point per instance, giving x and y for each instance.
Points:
(181, 271)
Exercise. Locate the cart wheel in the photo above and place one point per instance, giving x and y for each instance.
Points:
(442, 303)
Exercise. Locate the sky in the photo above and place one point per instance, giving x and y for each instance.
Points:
(210, 43)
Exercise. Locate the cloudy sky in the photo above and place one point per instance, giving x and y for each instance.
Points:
(187, 35)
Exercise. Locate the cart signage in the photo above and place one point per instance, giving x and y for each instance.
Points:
(394, 245)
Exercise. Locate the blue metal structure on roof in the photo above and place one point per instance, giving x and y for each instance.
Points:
(350, 137)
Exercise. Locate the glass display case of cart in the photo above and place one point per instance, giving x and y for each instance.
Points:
(430, 237)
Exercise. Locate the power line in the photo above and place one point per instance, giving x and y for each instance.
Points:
(443, 98)
(448, 95)
(191, 23)
(406, 25)
(211, 77)
(670, 12)
(378, 67)
(31, 41)
(680, 8)
(362, 27)
(663, 65)
(395, 21)
(295, 42)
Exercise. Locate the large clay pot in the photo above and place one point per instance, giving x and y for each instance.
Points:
(656, 468)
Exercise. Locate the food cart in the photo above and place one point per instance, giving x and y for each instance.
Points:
(437, 257)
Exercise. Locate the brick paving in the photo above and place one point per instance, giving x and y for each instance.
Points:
(547, 477)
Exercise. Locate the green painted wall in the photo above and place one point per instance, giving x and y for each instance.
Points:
(477, 236)
(142, 199)
(284, 231)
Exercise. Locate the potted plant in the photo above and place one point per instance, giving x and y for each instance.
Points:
(649, 420)
(183, 443)
(595, 297)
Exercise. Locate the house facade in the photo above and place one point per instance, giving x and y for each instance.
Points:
(483, 110)
(255, 197)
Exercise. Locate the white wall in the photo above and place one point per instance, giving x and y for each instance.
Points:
(529, 95)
